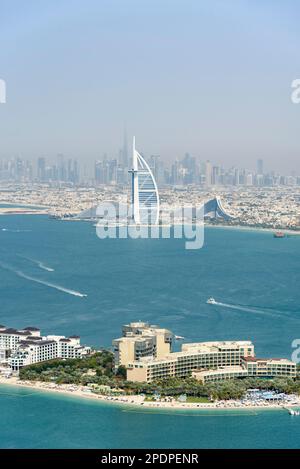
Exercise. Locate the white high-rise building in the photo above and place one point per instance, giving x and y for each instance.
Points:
(144, 192)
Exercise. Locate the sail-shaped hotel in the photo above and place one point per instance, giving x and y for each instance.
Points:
(144, 193)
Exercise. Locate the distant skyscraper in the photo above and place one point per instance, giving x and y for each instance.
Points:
(61, 168)
(249, 179)
(260, 166)
(189, 164)
(259, 180)
(120, 174)
(215, 175)
(41, 167)
(154, 165)
(174, 173)
(112, 171)
(208, 173)
(99, 172)
(73, 171)
(236, 176)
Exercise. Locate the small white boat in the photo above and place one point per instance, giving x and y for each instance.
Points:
(211, 301)
(294, 412)
(179, 337)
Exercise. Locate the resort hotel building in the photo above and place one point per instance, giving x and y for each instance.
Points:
(140, 339)
(144, 193)
(21, 347)
(252, 367)
(146, 353)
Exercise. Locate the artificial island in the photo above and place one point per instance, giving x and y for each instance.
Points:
(142, 369)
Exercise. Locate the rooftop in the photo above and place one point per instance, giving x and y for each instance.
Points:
(224, 369)
(12, 331)
(37, 343)
(270, 360)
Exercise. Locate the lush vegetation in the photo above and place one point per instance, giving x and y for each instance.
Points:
(195, 399)
(222, 390)
(92, 369)
(98, 369)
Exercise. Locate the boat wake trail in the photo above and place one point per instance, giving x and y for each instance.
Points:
(15, 231)
(246, 309)
(40, 264)
(21, 274)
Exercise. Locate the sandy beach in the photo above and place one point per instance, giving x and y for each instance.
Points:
(139, 400)
(19, 210)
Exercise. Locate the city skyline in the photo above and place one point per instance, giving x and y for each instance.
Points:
(114, 169)
(187, 170)
(211, 78)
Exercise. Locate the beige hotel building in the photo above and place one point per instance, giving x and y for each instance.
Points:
(146, 353)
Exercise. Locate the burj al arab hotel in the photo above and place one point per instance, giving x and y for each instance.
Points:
(144, 193)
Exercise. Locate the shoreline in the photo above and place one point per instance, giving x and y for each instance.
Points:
(28, 209)
(255, 228)
(13, 208)
(138, 400)
(23, 210)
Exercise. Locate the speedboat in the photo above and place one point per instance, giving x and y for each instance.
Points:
(211, 301)
(179, 337)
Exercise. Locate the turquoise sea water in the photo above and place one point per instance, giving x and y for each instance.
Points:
(254, 276)
(30, 419)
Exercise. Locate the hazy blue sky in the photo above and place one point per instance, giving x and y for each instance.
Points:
(209, 77)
